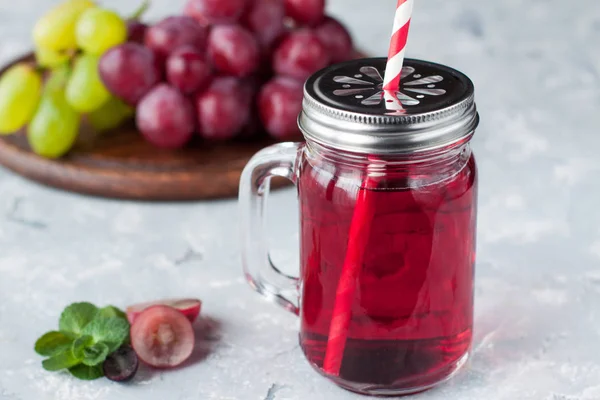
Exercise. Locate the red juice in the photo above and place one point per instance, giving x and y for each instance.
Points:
(412, 313)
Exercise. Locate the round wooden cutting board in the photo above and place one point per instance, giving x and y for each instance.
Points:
(121, 164)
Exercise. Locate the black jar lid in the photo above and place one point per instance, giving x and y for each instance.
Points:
(346, 108)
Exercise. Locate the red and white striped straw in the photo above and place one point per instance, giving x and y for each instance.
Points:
(397, 51)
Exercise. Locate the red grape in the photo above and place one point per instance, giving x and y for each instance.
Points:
(265, 19)
(300, 55)
(162, 337)
(187, 70)
(280, 103)
(188, 307)
(233, 50)
(136, 31)
(174, 32)
(224, 108)
(336, 39)
(129, 71)
(209, 12)
(166, 117)
(305, 12)
(122, 365)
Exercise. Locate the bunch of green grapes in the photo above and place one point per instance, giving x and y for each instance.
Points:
(69, 41)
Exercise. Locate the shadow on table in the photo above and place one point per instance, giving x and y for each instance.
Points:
(208, 336)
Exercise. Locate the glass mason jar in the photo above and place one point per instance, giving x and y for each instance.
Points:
(387, 188)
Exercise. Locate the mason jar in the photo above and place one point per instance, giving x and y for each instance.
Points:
(387, 187)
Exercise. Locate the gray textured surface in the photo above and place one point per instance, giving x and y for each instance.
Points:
(536, 64)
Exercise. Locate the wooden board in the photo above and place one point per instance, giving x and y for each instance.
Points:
(120, 164)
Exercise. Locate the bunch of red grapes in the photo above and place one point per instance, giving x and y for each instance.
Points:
(225, 69)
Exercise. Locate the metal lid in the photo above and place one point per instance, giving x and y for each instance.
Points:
(346, 108)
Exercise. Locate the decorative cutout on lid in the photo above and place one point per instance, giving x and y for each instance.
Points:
(370, 87)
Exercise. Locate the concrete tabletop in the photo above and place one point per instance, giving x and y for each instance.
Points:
(536, 66)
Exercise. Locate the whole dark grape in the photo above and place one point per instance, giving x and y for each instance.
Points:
(336, 39)
(166, 117)
(265, 18)
(129, 71)
(136, 31)
(122, 365)
(188, 70)
(209, 12)
(233, 50)
(224, 108)
(300, 55)
(280, 103)
(305, 12)
(173, 32)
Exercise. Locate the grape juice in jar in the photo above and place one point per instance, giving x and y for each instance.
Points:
(412, 313)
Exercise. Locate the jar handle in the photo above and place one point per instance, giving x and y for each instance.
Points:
(264, 277)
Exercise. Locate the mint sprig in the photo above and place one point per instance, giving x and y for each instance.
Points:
(52, 343)
(86, 373)
(86, 336)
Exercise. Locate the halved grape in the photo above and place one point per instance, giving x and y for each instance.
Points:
(55, 125)
(336, 39)
(129, 71)
(56, 29)
(173, 32)
(300, 55)
(85, 91)
(233, 50)
(122, 365)
(166, 117)
(306, 12)
(99, 29)
(162, 337)
(20, 91)
(280, 103)
(209, 12)
(224, 108)
(188, 70)
(188, 307)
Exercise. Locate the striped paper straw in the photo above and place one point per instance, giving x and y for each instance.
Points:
(397, 51)
(364, 211)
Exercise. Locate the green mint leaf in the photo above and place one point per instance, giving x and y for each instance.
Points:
(80, 344)
(62, 360)
(87, 373)
(95, 354)
(111, 331)
(112, 311)
(75, 318)
(52, 343)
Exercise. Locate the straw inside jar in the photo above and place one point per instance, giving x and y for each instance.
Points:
(364, 211)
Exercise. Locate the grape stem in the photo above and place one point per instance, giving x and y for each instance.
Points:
(141, 10)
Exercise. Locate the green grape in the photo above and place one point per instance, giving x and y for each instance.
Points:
(58, 78)
(49, 58)
(56, 29)
(85, 90)
(99, 29)
(20, 91)
(110, 116)
(55, 126)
